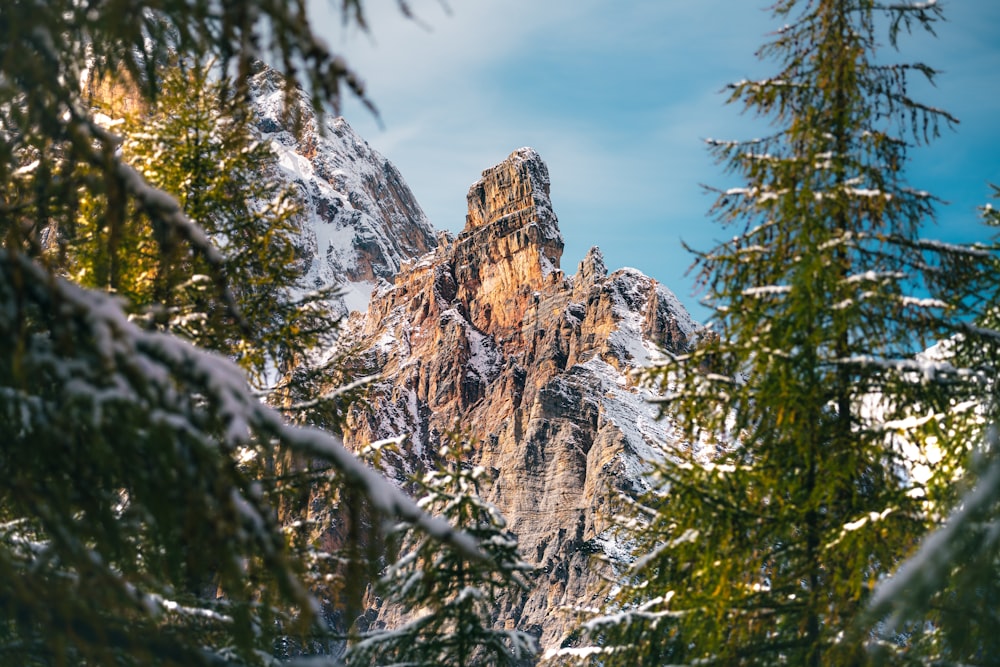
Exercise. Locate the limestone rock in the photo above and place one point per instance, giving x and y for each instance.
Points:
(486, 333)
(510, 245)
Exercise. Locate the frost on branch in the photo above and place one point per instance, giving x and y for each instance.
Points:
(450, 601)
(128, 482)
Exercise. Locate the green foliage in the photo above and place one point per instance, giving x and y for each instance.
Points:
(953, 581)
(137, 525)
(144, 480)
(811, 420)
(450, 598)
(193, 146)
(48, 53)
(991, 295)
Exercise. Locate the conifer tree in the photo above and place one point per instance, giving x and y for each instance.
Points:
(451, 599)
(137, 508)
(196, 146)
(809, 412)
(952, 583)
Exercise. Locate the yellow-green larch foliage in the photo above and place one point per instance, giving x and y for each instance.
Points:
(811, 415)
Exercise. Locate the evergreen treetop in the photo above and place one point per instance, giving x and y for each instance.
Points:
(450, 600)
(808, 414)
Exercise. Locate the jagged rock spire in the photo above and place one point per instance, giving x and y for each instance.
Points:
(511, 244)
(514, 195)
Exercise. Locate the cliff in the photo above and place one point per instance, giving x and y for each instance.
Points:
(360, 219)
(487, 332)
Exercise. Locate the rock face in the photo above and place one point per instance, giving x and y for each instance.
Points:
(511, 242)
(361, 219)
(487, 333)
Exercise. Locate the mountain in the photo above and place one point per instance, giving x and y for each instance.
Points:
(484, 333)
(487, 335)
(361, 221)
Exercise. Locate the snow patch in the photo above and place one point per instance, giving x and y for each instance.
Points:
(361, 222)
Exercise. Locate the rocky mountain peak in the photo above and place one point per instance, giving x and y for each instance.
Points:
(361, 221)
(591, 269)
(518, 186)
(511, 245)
(514, 196)
(486, 331)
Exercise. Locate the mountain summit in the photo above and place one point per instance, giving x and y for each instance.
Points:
(487, 332)
(361, 219)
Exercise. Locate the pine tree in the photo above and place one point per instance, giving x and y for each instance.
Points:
(137, 502)
(195, 146)
(451, 597)
(810, 411)
(952, 583)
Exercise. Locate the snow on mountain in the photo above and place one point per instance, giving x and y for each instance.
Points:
(486, 334)
(361, 220)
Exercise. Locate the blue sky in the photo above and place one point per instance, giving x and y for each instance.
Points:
(617, 97)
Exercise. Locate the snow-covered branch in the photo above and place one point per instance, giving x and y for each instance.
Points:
(925, 572)
(159, 361)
